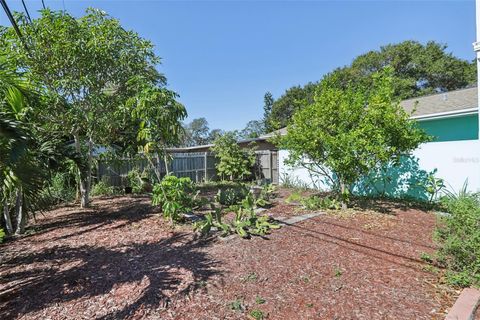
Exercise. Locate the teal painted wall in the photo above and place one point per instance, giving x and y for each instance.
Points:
(452, 129)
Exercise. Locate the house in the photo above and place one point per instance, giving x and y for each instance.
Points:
(451, 118)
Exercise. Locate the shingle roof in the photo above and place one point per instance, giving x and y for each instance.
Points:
(442, 102)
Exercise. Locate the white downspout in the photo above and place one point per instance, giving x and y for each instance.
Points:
(476, 48)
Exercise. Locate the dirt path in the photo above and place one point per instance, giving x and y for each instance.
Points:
(120, 260)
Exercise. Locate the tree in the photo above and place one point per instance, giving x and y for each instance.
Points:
(26, 152)
(253, 129)
(267, 111)
(418, 69)
(214, 134)
(92, 68)
(197, 133)
(348, 132)
(234, 162)
(284, 107)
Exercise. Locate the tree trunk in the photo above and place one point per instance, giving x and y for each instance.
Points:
(155, 167)
(6, 216)
(165, 159)
(343, 195)
(20, 213)
(83, 178)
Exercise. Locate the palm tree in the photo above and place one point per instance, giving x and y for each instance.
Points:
(23, 166)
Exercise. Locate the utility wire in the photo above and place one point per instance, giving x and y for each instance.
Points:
(26, 11)
(14, 23)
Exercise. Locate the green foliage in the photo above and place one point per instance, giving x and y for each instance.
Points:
(136, 180)
(212, 220)
(237, 305)
(316, 202)
(338, 272)
(245, 223)
(291, 101)
(260, 300)
(103, 84)
(348, 132)
(433, 186)
(293, 197)
(250, 277)
(2, 235)
(28, 150)
(267, 193)
(253, 129)
(267, 111)
(459, 238)
(234, 162)
(101, 188)
(60, 189)
(257, 314)
(418, 69)
(175, 196)
(231, 196)
(426, 257)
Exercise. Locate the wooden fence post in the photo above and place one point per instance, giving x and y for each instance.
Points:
(205, 157)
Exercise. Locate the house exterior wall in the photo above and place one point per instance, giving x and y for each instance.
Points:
(452, 129)
(454, 155)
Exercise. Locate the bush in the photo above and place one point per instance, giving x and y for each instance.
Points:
(231, 196)
(316, 202)
(459, 237)
(134, 181)
(2, 235)
(175, 196)
(245, 224)
(59, 189)
(101, 188)
(234, 162)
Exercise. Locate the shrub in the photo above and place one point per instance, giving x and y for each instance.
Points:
(234, 162)
(459, 237)
(246, 222)
(101, 188)
(257, 314)
(175, 196)
(316, 202)
(231, 196)
(58, 190)
(134, 180)
(295, 196)
(349, 130)
(2, 235)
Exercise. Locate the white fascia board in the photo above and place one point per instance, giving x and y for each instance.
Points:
(448, 114)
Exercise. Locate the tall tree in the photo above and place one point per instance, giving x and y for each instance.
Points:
(253, 129)
(197, 132)
(267, 110)
(26, 150)
(292, 100)
(418, 69)
(92, 67)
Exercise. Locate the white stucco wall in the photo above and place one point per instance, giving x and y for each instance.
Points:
(455, 162)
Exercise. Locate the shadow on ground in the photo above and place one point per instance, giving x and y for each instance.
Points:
(169, 267)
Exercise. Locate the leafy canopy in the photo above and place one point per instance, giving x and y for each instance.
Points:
(345, 133)
(234, 162)
(418, 69)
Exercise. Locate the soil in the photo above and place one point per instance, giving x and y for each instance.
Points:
(120, 260)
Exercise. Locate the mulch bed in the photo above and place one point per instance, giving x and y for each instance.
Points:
(121, 260)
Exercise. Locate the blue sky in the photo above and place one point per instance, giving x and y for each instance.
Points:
(222, 56)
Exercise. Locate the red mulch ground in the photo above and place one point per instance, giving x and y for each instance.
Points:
(120, 260)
